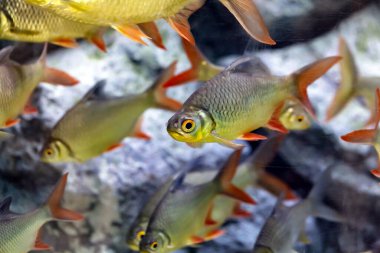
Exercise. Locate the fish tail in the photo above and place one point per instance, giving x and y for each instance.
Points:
(159, 92)
(223, 179)
(349, 76)
(249, 17)
(308, 74)
(54, 203)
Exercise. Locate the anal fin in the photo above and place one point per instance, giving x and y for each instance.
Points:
(39, 244)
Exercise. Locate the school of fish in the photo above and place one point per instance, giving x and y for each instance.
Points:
(190, 207)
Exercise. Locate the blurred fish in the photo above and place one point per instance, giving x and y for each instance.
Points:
(17, 83)
(20, 233)
(293, 116)
(139, 226)
(368, 136)
(24, 22)
(233, 104)
(96, 125)
(125, 16)
(184, 211)
(352, 85)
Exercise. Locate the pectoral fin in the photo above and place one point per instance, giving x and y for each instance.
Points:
(252, 137)
(214, 234)
(56, 76)
(69, 43)
(225, 142)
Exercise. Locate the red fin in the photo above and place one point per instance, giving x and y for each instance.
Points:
(98, 41)
(113, 147)
(181, 25)
(196, 239)
(225, 176)
(54, 203)
(376, 172)
(215, 234)
(30, 109)
(39, 244)
(12, 122)
(241, 213)
(70, 43)
(55, 76)
(162, 100)
(184, 77)
(366, 136)
(275, 186)
(250, 19)
(275, 124)
(137, 132)
(209, 221)
(252, 137)
(132, 32)
(151, 30)
(308, 74)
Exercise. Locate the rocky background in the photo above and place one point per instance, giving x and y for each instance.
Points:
(111, 189)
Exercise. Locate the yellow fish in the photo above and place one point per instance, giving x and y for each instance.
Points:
(125, 15)
(234, 103)
(293, 116)
(96, 125)
(17, 83)
(20, 233)
(353, 85)
(24, 22)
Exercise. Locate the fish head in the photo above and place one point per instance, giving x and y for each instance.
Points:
(55, 151)
(135, 235)
(295, 118)
(262, 249)
(190, 125)
(155, 242)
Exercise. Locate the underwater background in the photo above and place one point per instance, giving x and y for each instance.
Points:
(111, 189)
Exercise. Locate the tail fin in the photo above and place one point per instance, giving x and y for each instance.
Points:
(366, 136)
(151, 30)
(250, 19)
(349, 76)
(308, 74)
(159, 91)
(54, 203)
(226, 175)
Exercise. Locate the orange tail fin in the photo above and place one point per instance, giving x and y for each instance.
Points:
(151, 30)
(226, 175)
(308, 74)
(250, 19)
(159, 91)
(54, 203)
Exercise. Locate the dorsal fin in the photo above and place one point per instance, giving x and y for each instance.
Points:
(5, 205)
(95, 93)
(5, 54)
(248, 64)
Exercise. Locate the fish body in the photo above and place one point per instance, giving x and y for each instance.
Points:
(17, 82)
(20, 232)
(232, 104)
(183, 212)
(95, 125)
(122, 15)
(24, 22)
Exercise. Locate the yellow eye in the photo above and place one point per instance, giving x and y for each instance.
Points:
(188, 125)
(154, 245)
(300, 118)
(140, 235)
(49, 152)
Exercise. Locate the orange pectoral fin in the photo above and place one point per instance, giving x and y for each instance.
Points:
(39, 244)
(132, 32)
(69, 43)
(214, 234)
(58, 77)
(239, 212)
(113, 147)
(11, 122)
(365, 136)
(252, 137)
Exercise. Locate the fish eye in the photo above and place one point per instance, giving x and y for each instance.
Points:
(154, 245)
(300, 118)
(140, 235)
(188, 125)
(49, 152)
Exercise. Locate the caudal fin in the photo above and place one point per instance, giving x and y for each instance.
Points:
(54, 203)
(349, 76)
(250, 19)
(308, 74)
(226, 175)
(159, 92)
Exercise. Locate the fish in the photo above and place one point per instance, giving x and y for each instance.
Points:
(126, 16)
(233, 104)
(293, 116)
(5, 136)
(97, 124)
(139, 226)
(21, 233)
(352, 85)
(17, 83)
(184, 211)
(21, 21)
(368, 136)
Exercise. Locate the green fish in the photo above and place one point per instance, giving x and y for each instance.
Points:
(20, 233)
(17, 83)
(184, 211)
(233, 104)
(95, 125)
